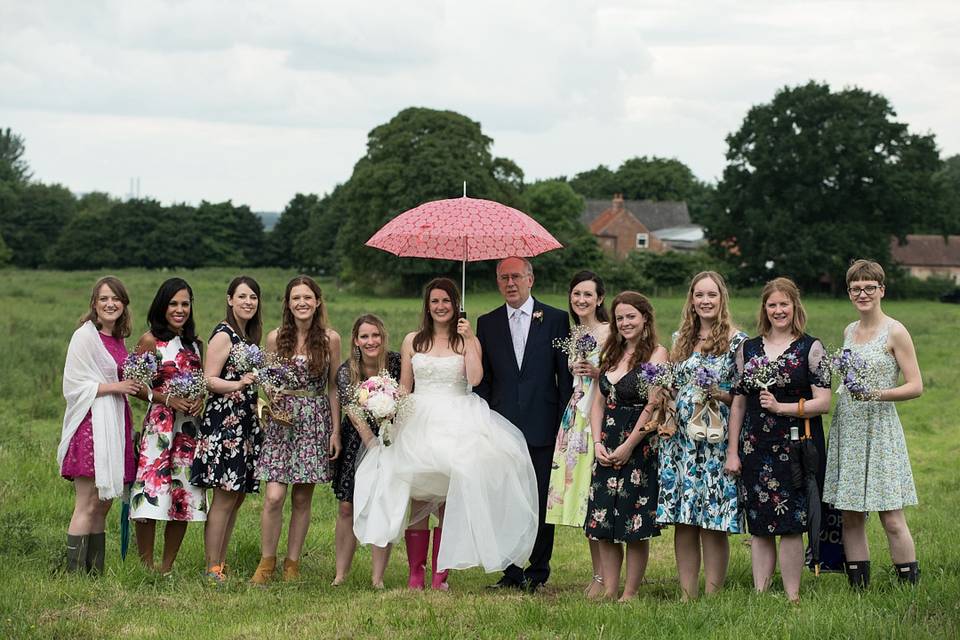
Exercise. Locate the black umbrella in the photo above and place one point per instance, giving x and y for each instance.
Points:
(804, 460)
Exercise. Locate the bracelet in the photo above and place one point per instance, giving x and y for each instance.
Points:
(149, 395)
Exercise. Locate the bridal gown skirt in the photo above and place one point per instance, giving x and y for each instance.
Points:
(451, 448)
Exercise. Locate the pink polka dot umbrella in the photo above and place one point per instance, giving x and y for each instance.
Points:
(465, 229)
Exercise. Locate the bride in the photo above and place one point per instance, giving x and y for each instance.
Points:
(451, 456)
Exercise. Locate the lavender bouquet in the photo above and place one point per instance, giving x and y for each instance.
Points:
(277, 377)
(142, 367)
(704, 380)
(655, 375)
(579, 345)
(760, 372)
(853, 370)
(189, 385)
(247, 358)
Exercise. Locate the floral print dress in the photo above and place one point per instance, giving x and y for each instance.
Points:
(345, 466)
(573, 453)
(622, 504)
(299, 452)
(694, 489)
(773, 507)
(229, 438)
(868, 468)
(162, 490)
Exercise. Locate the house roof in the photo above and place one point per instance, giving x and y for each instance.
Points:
(927, 251)
(654, 215)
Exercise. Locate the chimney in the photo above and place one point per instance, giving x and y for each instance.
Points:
(618, 202)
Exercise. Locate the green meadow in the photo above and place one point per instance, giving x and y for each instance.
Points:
(39, 311)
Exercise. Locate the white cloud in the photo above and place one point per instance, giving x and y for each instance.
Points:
(255, 101)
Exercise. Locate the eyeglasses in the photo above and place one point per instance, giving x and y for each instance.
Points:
(870, 289)
(507, 277)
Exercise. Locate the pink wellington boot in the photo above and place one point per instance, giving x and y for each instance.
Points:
(439, 580)
(417, 542)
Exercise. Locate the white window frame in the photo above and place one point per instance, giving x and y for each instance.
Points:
(643, 240)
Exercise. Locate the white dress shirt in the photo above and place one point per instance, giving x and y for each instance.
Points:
(519, 321)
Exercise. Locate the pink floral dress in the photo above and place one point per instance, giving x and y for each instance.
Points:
(162, 490)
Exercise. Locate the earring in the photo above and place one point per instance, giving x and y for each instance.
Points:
(358, 355)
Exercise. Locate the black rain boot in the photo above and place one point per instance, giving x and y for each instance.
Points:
(858, 574)
(908, 572)
(95, 553)
(76, 553)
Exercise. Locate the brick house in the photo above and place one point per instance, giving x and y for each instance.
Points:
(622, 226)
(928, 255)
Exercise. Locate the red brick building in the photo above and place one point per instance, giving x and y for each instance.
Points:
(927, 255)
(623, 226)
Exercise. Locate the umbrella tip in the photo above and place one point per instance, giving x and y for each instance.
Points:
(464, 188)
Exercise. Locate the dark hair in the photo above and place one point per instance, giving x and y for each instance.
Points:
(616, 345)
(317, 342)
(423, 340)
(356, 371)
(254, 328)
(121, 328)
(583, 276)
(157, 314)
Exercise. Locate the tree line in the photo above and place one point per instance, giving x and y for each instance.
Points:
(813, 178)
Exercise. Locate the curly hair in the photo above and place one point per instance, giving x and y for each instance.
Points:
(317, 342)
(718, 341)
(423, 340)
(616, 345)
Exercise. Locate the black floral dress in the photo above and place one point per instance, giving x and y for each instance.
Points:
(773, 507)
(229, 437)
(345, 466)
(622, 503)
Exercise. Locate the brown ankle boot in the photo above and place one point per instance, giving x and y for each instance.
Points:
(265, 569)
(291, 570)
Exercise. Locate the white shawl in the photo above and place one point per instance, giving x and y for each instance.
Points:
(89, 365)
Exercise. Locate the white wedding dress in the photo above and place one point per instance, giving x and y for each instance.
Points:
(450, 447)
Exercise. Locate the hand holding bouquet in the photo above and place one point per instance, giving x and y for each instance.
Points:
(761, 373)
(247, 358)
(854, 373)
(276, 376)
(655, 375)
(189, 385)
(378, 398)
(142, 367)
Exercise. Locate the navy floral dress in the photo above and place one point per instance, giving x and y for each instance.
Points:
(773, 506)
(345, 466)
(229, 437)
(622, 503)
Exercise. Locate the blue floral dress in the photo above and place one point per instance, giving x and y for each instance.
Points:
(773, 506)
(694, 489)
(229, 436)
(622, 503)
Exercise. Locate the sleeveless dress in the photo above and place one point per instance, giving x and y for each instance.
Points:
(694, 490)
(162, 490)
(78, 463)
(773, 507)
(573, 455)
(451, 447)
(345, 466)
(229, 439)
(300, 452)
(622, 505)
(868, 468)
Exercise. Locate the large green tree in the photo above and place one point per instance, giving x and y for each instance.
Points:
(13, 166)
(294, 220)
(420, 155)
(228, 235)
(947, 180)
(31, 218)
(815, 178)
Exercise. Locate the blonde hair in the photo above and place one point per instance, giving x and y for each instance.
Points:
(787, 287)
(863, 269)
(719, 339)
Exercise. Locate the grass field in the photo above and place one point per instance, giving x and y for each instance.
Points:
(38, 312)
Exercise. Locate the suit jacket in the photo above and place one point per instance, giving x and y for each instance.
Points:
(534, 397)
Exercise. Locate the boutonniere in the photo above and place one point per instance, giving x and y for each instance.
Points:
(537, 315)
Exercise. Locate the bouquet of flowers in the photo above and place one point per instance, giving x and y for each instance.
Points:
(276, 376)
(579, 345)
(656, 375)
(852, 369)
(189, 385)
(378, 398)
(706, 422)
(247, 358)
(760, 372)
(142, 367)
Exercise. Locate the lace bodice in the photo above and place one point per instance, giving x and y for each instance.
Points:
(884, 371)
(439, 375)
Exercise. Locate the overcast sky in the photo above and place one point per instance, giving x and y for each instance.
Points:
(256, 101)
